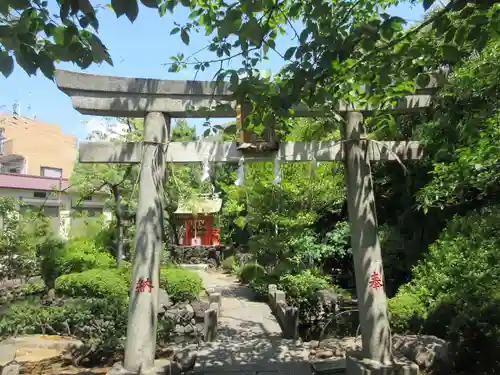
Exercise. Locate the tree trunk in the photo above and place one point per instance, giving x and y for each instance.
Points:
(119, 225)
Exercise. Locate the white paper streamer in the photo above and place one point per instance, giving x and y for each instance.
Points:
(277, 175)
(206, 170)
(241, 172)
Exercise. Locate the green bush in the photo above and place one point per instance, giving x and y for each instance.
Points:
(260, 286)
(229, 264)
(407, 312)
(94, 283)
(250, 271)
(301, 288)
(454, 290)
(180, 284)
(32, 289)
(81, 255)
(100, 325)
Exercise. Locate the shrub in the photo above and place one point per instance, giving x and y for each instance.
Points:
(229, 264)
(250, 271)
(301, 291)
(48, 252)
(101, 325)
(32, 289)
(301, 288)
(108, 283)
(407, 311)
(81, 255)
(180, 284)
(260, 286)
(455, 289)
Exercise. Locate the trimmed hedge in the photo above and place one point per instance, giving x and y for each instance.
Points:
(94, 283)
(180, 284)
(81, 255)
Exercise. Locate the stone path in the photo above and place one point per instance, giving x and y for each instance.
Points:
(249, 337)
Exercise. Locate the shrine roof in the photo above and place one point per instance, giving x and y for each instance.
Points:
(199, 206)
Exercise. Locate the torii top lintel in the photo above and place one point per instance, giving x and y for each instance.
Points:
(134, 97)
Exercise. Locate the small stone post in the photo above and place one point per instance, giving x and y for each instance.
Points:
(210, 324)
(365, 242)
(143, 308)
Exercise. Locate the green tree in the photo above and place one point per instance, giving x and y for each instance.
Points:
(118, 180)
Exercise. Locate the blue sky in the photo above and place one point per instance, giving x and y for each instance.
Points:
(138, 50)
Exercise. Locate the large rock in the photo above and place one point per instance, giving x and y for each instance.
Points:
(34, 348)
(424, 350)
(12, 369)
(186, 357)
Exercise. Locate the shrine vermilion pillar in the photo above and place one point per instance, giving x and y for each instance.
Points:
(187, 228)
(208, 230)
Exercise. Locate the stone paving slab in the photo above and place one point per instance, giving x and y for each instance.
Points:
(249, 339)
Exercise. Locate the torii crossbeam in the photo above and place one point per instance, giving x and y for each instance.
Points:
(158, 101)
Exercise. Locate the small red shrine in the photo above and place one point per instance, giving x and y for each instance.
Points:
(198, 216)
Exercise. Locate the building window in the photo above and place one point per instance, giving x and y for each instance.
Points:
(50, 172)
(14, 170)
(40, 194)
(88, 198)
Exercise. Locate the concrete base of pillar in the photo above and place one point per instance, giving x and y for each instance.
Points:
(161, 367)
(357, 365)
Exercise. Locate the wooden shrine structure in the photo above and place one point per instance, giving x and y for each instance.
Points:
(158, 101)
(198, 216)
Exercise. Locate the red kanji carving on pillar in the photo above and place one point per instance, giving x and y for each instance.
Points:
(142, 285)
(375, 281)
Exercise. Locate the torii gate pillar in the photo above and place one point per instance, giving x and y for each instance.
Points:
(140, 346)
(365, 243)
(375, 357)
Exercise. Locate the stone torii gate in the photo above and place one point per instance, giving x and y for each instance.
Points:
(158, 101)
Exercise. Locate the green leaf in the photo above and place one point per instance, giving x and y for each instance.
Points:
(303, 36)
(185, 36)
(450, 52)
(99, 50)
(162, 9)
(46, 64)
(428, 4)
(294, 9)
(461, 34)
(174, 68)
(26, 58)
(6, 64)
(423, 80)
(289, 53)
(478, 19)
(368, 44)
(131, 10)
(175, 30)
(240, 221)
(234, 79)
(119, 7)
(150, 3)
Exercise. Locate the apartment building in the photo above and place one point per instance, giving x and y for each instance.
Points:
(36, 161)
(35, 148)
